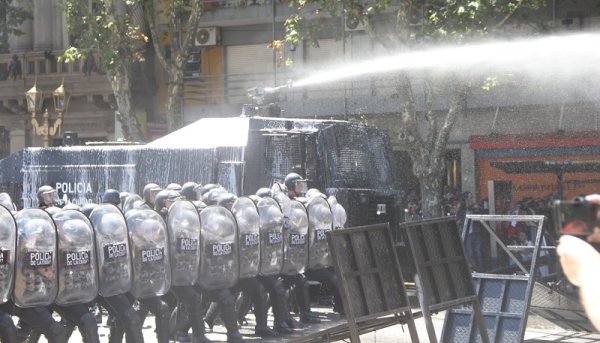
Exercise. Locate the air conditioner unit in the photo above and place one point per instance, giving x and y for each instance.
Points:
(208, 36)
(353, 25)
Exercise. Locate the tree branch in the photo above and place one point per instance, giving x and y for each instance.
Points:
(192, 27)
(150, 16)
(509, 14)
(429, 116)
(457, 107)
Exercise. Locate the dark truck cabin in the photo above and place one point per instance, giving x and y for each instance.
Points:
(349, 160)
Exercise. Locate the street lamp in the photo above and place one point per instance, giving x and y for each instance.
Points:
(34, 104)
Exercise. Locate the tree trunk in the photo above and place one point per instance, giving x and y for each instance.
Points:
(121, 85)
(431, 193)
(175, 99)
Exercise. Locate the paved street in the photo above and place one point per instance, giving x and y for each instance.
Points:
(538, 331)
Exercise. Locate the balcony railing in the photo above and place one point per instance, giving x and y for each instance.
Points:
(49, 72)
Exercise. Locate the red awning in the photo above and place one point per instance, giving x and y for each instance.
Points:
(535, 140)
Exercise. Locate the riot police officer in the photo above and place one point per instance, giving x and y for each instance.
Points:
(47, 197)
(79, 277)
(283, 321)
(189, 299)
(154, 304)
(215, 284)
(250, 285)
(149, 193)
(36, 281)
(296, 188)
(119, 306)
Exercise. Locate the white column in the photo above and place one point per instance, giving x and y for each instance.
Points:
(24, 42)
(43, 25)
(60, 39)
(17, 139)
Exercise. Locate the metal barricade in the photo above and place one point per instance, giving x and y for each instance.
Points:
(443, 275)
(370, 281)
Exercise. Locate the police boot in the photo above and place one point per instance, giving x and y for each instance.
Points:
(116, 332)
(8, 330)
(133, 327)
(88, 328)
(197, 324)
(227, 307)
(69, 327)
(162, 322)
(211, 315)
(243, 304)
(260, 313)
(55, 333)
(181, 326)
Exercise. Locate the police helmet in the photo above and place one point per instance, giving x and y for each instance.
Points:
(111, 196)
(87, 209)
(165, 198)
(47, 195)
(188, 190)
(295, 182)
(226, 200)
(211, 197)
(264, 192)
(206, 188)
(174, 187)
(149, 192)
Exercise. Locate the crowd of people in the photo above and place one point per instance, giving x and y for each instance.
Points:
(195, 305)
(476, 243)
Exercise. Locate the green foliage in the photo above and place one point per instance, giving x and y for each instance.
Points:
(411, 21)
(107, 28)
(12, 14)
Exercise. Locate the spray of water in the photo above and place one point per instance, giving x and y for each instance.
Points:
(556, 56)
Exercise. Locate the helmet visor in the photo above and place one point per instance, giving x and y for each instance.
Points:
(301, 187)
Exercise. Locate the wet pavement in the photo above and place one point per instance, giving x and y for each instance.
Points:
(538, 331)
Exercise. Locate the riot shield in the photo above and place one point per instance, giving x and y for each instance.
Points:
(282, 199)
(8, 235)
(35, 277)
(219, 266)
(320, 221)
(149, 246)
(183, 226)
(295, 239)
(338, 212)
(271, 236)
(246, 214)
(132, 202)
(112, 250)
(77, 273)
